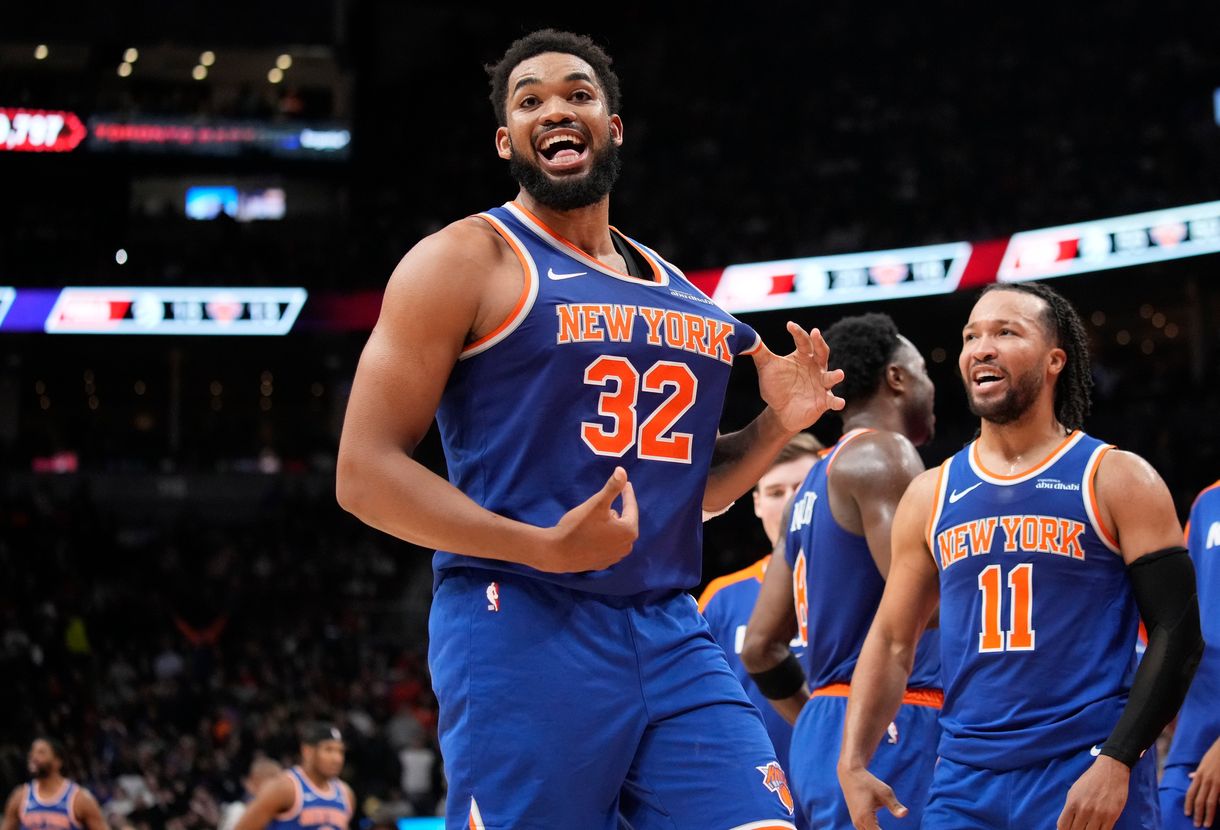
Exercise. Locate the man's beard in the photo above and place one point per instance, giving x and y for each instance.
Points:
(42, 771)
(568, 192)
(1021, 394)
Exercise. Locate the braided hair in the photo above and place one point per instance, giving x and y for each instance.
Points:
(1073, 390)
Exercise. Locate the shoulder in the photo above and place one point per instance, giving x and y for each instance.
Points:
(459, 251)
(921, 492)
(16, 797)
(85, 802)
(349, 793)
(719, 584)
(880, 453)
(1125, 476)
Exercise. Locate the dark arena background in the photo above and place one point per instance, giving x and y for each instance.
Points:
(202, 203)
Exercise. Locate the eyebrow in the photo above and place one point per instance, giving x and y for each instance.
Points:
(569, 78)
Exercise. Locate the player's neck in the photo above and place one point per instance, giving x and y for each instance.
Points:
(588, 228)
(319, 781)
(1019, 445)
(49, 786)
(875, 414)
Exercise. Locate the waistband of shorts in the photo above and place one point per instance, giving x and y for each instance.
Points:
(934, 698)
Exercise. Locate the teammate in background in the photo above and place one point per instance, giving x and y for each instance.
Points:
(1190, 783)
(50, 801)
(1044, 546)
(727, 601)
(829, 571)
(309, 795)
(262, 772)
(571, 369)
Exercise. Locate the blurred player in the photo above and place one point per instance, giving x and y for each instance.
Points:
(828, 577)
(571, 369)
(1190, 785)
(309, 795)
(1045, 546)
(262, 772)
(50, 801)
(727, 601)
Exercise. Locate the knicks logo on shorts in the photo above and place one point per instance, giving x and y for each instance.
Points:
(493, 597)
(775, 781)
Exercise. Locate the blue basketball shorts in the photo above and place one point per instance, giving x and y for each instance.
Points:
(1175, 781)
(1029, 798)
(563, 709)
(904, 759)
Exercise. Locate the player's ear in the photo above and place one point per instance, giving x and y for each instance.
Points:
(895, 377)
(616, 130)
(504, 144)
(1056, 360)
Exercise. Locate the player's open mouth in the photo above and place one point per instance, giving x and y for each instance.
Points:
(985, 377)
(562, 149)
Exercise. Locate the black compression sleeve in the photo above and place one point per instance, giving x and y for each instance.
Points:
(1164, 587)
(782, 680)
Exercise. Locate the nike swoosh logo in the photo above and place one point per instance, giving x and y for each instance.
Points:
(550, 272)
(1095, 751)
(955, 496)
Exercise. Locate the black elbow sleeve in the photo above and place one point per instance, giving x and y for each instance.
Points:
(1164, 586)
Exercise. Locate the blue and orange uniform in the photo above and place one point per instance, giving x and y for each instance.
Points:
(1198, 726)
(1038, 640)
(313, 807)
(55, 813)
(836, 591)
(567, 699)
(727, 603)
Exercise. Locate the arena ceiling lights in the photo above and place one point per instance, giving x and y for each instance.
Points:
(1119, 242)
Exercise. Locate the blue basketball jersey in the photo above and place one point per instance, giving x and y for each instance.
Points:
(594, 369)
(54, 813)
(314, 808)
(836, 586)
(1199, 719)
(1037, 618)
(726, 605)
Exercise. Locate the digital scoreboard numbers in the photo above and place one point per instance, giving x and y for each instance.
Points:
(39, 131)
(194, 311)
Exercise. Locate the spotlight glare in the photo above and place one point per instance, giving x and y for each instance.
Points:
(41, 51)
(199, 72)
(120, 256)
(275, 75)
(283, 62)
(207, 58)
(124, 69)
(131, 55)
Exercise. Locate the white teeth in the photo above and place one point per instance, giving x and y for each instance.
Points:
(549, 140)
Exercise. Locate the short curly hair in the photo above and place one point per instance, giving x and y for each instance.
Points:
(551, 40)
(862, 346)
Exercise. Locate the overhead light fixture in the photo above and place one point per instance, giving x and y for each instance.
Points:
(131, 55)
(207, 58)
(284, 62)
(275, 75)
(41, 51)
(199, 72)
(124, 69)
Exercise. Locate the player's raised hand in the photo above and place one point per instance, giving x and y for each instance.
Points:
(593, 535)
(1097, 798)
(797, 385)
(865, 794)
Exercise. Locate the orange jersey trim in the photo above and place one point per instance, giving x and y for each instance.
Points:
(1037, 468)
(657, 275)
(1202, 493)
(937, 503)
(933, 698)
(757, 347)
(1101, 526)
(755, 571)
(842, 443)
(526, 289)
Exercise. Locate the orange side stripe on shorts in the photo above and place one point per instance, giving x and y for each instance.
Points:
(914, 697)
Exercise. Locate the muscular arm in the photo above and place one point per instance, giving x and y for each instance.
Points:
(12, 809)
(88, 813)
(773, 624)
(438, 299)
(911, 592)
(740, 459)
(272, 799)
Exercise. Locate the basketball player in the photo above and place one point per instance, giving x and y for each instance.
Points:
(50, 801)
(1044, 546)
(309, 795)
(826, 585)
(727, 601)
(1190, 784)
(572, 371)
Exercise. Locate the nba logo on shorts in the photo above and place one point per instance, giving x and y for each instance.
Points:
(892, 732)
(493, 597)
(775, 781)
